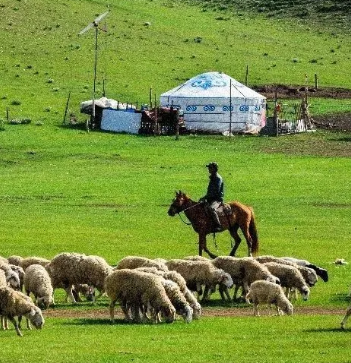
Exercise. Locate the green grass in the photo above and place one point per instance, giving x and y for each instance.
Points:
(216, 339)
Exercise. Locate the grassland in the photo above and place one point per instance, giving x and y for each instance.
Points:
(43, 59)
(64, 189)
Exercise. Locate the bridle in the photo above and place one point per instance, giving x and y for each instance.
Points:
(192, 206)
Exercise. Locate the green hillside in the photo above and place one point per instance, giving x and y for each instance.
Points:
(335, 14)
(150, 44)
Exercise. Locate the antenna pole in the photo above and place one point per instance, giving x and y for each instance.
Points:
(95, 71)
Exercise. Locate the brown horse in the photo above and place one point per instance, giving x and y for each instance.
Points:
(239, 216)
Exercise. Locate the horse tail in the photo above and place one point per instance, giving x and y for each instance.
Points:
(253, 233)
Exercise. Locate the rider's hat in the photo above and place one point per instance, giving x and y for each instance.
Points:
(212, 165)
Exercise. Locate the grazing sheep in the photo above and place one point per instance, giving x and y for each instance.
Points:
(178, 300)
(132, 262)
(20, 272)
(290, 277)
(308, 273)
(83, 290)
(14, 303)
(200, 273)
(34, 260)
(182, 299)
(321, 272)
(68, 269)
(38, 282)
(136, 290)
(11, 276)
(244, 271)
(347, 315)
(265, 292)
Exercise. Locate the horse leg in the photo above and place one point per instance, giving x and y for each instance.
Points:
(203, 246)
(248, 238)
(234, 233)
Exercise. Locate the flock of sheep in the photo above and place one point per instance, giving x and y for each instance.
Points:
(151, 290)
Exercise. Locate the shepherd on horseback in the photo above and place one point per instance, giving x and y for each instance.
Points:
(214, 196)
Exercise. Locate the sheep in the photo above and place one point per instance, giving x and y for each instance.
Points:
(244, 271)
(86, 290)
(38, 282)
(178, 300)
(178, 293)
(269, 293)
(11, 276)
(132, 262)
(321, 272)
(20, 272)
(67, 269)
(14, 303)
(133, 288)
(290, 277)
(198, 273)
(25, 262)
(308, 273)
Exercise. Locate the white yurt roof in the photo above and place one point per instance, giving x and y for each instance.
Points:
(211, 85)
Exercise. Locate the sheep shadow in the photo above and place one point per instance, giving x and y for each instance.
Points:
(327, 330)
(102, 321)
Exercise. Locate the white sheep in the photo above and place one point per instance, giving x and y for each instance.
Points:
(244, 271)
(290, 277)
(38, 282)
(11, 276)
(138, 290)
(199, 273)
(14, 303)
(180, 281)
(177, 291)
(308, 273)
(321, 272)
(132, 262)
(178, 300)
(68, 269)
(265, 292)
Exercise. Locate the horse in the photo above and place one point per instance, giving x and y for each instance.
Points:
(239, 216)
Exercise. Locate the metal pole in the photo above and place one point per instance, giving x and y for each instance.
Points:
(95, 71)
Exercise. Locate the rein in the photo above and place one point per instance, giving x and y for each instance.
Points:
(192, 206)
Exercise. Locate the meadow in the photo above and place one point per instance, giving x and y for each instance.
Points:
(65, 189)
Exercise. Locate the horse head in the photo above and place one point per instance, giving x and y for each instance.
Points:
(178, 203)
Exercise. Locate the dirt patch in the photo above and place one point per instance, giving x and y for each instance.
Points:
(103, 313)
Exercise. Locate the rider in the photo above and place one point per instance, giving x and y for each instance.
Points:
(215, 194)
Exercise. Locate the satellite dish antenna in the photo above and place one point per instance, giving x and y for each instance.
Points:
(94, 24)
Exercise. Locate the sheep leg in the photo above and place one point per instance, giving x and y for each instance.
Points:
(16, 325)
(112, 311)
(223, 291)
(256, 313)
(348, 313)
(69, 293)
(234, 233)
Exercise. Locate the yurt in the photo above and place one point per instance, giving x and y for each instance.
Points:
(216, 103)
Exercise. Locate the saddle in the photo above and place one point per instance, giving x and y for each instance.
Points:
(224, 210)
